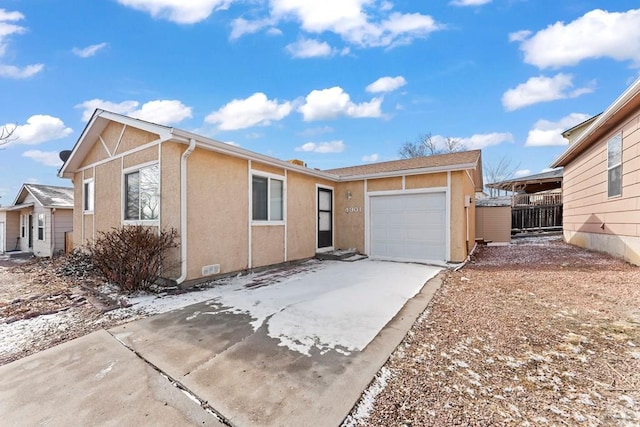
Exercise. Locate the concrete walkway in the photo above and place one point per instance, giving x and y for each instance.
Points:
(128, 375)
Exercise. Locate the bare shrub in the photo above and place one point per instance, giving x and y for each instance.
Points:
(132, 257)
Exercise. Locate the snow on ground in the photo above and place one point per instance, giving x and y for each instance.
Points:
(315, 306)
(328, 305)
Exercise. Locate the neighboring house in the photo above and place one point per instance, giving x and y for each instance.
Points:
(235, 209)
(601, 187)
(37, 221)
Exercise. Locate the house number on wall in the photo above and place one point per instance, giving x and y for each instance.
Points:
(352, 210)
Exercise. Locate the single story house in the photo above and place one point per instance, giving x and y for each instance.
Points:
(235, 209)
(37, 220)
(601, 186)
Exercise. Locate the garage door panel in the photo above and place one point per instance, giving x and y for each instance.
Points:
(408, 226)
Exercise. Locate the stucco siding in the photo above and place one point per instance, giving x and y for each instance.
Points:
(170, 198)
(384, 184)
(267, 168)
(217, 212)
(267, 245)
(426, 181)
(108, 196)
(133, 138)
(350, 216)
(458, 245)
(301, 215)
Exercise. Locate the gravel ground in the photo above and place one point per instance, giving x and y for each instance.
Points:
(534, 333)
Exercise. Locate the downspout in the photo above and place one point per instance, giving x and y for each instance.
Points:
(183, 211)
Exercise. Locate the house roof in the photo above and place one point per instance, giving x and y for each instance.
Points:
(48, 196)
(441, 162)
(532, 183)
(626, 103)
(101, 118)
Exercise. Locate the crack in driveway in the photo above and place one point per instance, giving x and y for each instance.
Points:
(177, 384)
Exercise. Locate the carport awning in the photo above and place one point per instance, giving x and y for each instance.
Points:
(17, 207)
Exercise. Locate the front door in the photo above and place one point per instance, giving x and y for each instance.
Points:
(30, 231)
(325, 218)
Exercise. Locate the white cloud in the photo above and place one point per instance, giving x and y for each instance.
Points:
(386, 84)
(47, 158)
(165, 112)
(309, 48)
(370, 158)
(519, 36)
(365, 27)
(322, 147)
(8, 28)
(241, 26)
(469, 2)
(542, 89)
(88, 51)
(480, 141)
(521, 172)
(547, 133)
(178, 11)
(11, 71)
(256, 110)
(596, 34)
(334, 102)
(38, 129)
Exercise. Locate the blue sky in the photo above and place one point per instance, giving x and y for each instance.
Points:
(334, 83)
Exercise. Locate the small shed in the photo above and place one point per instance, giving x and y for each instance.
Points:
(493, 219)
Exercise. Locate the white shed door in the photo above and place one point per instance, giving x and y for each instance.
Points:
(409, 227)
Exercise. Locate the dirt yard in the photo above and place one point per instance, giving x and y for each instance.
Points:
(535, 333)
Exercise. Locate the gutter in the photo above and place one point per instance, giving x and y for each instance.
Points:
(579, 144)
(183, 211)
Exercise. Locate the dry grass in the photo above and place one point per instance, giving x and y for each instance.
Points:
(536, 333)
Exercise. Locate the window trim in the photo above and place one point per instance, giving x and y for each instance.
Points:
(42, 216)
(617, 165)
(92, 187)
(127, 171)
(269, 176)
(23, 226)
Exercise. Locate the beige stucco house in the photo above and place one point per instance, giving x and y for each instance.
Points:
(235, 209)
(37, 220)
(601, 186)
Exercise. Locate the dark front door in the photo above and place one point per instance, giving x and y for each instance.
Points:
(30, 231)
(325, 218)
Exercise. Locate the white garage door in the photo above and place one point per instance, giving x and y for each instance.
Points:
(409, 227)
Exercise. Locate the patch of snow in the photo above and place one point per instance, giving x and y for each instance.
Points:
(103, 372)
(364, 407)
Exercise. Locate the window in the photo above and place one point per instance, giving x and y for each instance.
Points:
(614, 166)
(267, 198)
(87, 196)
(23, 226)
(142, 194)
(41, 226)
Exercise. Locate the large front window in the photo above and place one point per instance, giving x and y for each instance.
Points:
(614, 166)
(142, 194)
(267, 198)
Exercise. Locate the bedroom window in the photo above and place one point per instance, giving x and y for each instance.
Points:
(87, 196)
(614, 166)
(267, 198)
(142, 194)
(41, 226)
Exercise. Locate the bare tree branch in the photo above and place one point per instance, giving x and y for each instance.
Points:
(424, 145)
(6, 133)
(499, 170)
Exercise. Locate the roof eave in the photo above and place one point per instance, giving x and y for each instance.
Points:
(416, 171)
(585, 139)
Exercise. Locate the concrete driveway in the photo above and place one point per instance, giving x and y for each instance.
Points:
(294, 346)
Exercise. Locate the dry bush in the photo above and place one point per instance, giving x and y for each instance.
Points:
(132, 257)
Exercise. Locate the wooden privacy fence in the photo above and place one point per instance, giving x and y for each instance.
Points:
(536, 217)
